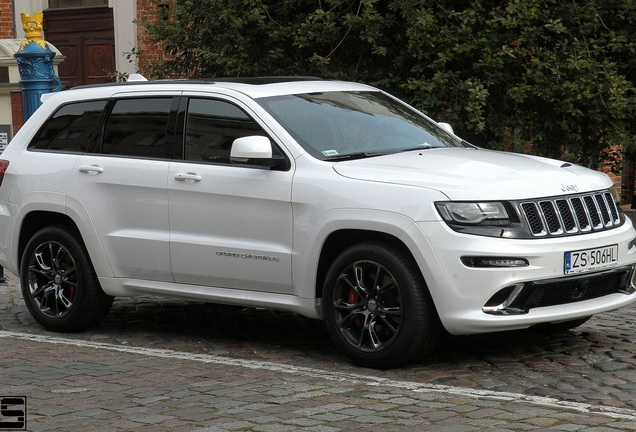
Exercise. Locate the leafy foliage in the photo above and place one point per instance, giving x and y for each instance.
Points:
(559, 74)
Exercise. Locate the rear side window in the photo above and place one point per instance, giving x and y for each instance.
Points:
(71, 128)
(138, 127)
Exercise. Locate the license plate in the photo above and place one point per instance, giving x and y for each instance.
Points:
(586, 260)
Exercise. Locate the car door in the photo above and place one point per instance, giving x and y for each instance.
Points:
(230, 224)
(122, 188)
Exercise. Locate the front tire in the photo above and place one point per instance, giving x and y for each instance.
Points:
(377, 308)
(58, 281)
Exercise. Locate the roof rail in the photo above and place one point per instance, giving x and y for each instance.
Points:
(135, 78)
(256, 80)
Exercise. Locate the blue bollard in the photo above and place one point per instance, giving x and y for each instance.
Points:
(35, 63)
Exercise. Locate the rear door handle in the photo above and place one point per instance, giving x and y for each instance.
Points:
(91, 169)
(188, 177)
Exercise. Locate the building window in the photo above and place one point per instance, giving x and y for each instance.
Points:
(56, 4)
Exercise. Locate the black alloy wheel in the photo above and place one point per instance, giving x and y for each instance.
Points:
(59, 285)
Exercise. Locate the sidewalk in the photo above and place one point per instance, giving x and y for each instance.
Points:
(74, 385)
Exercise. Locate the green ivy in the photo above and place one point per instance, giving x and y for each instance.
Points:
(560, 74)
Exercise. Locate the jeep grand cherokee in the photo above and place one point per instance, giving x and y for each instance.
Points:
(331, 199)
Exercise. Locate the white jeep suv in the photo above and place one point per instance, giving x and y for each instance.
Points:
(330, 199)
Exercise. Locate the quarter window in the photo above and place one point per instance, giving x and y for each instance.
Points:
(211, 128)
(138, 127)
(71, 128)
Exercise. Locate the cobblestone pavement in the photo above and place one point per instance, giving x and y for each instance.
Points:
(164, 364)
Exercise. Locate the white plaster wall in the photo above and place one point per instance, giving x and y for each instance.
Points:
(124, 12)
(5, 108)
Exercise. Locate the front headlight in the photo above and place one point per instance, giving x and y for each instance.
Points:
(474, 213)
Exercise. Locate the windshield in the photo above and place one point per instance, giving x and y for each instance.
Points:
(337, 125)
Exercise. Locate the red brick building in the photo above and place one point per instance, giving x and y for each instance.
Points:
(6, 19)
(149, 53)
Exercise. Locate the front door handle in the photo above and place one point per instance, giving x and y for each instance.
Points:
(188, 177)
(91, 169)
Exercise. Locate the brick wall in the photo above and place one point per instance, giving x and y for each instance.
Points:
(16, 111)
(149, 54)
(6, 20)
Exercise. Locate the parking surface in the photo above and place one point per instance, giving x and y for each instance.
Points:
(162, 364)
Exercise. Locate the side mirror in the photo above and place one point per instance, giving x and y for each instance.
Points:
(255, 150)
(250, 147)
(447, 127)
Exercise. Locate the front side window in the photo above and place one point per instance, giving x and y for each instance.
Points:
(71, 128)
(211, 128)
(334, 125)
(138, 127)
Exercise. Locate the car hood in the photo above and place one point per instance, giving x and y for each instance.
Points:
(469, 174)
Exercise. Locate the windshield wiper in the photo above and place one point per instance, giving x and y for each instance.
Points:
(420, 147)
(353, 156)
(362, 155)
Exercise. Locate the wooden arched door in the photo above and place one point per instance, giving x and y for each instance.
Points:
(86, 38)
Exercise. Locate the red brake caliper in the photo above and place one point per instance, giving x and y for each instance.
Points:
(353, 299)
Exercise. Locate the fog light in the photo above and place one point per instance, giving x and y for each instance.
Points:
(493, 262)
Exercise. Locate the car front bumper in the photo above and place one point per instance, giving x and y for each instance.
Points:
(473, 300)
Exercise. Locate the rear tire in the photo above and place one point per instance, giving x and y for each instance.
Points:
(58, 281)
(377, 308)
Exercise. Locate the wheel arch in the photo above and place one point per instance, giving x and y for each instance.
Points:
(38, 219)
(341, 239)
(35, 221)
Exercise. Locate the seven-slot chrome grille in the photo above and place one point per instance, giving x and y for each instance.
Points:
(573, 214)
